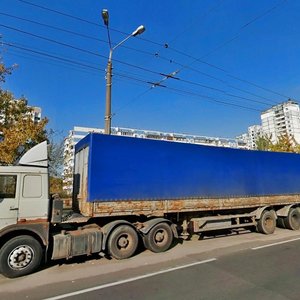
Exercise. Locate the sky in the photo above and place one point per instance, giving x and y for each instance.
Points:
(232, 59)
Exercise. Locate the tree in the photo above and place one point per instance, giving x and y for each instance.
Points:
(4, 71)
(56, 151)
(18, 131)
(285, 143)
(263, 143)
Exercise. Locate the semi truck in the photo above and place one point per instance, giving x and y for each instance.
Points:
(129, 191)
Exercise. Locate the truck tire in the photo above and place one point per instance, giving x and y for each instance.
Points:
(122, 242)
(267, 222)
(20, 256)
(292, 221)
(159, 238)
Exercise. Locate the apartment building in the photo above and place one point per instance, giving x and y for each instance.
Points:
(254, 132)
(281, 119)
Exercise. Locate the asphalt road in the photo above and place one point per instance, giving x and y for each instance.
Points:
(266, 274)
(244, 266)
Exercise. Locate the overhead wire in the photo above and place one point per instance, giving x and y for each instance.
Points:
(83, 35)
(129, 77)
(77, 48)
(131, 65)
(243, 27)
(65, 60)
(227, 42)
(166, 45)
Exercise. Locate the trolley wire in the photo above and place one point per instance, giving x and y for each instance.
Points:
(186, 92)
(167, 46)
(138, 67)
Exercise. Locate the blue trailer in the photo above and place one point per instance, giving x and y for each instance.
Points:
(186, 188)
(131, 189)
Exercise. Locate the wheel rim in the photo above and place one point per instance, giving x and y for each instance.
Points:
(124, 242)
(161, 237)
(20, 257)
(269, 223)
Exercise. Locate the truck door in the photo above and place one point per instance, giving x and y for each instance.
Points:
(34, 200)
(9, 203)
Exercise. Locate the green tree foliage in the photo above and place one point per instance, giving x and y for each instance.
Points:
(18, 132)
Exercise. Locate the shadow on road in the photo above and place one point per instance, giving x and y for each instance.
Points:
(223, 233)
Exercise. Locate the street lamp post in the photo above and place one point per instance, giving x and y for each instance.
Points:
(108, 116)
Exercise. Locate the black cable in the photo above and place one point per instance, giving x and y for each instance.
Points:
(130, 77)
(158, 84)
(77, 48)
(52, 56)
(165, 45)
(131, 65)
(243, 27)
(84, 20)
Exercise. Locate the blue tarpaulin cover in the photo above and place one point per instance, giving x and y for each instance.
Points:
(125, 168)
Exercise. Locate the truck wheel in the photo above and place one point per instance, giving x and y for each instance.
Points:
(267, 222)
(292, 221)
(159, 238)
(123, 242)
(20, 256)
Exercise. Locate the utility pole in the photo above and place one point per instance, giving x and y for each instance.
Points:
(108, 115)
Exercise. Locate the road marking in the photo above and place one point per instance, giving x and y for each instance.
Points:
(275, 244)
(104, 286)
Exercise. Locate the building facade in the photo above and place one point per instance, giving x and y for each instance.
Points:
(282, 119)
(254, 132)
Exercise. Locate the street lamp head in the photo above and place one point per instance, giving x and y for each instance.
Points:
(105, 16)
(139, 30)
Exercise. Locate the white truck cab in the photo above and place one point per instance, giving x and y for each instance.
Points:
(24, 189)
(24, 210)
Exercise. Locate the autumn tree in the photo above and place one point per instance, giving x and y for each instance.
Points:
(284, 143)
(18, 131)
(263, 143)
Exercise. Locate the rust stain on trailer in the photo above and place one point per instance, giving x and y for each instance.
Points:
(32, 221)
(161, 207)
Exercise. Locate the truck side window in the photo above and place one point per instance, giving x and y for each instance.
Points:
(32, 186)
(8, 186)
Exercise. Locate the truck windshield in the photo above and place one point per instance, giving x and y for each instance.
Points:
(8, 186)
